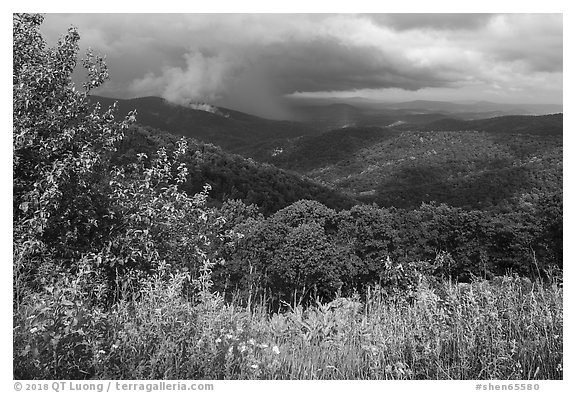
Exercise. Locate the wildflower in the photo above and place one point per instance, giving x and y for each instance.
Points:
(371, 349)
(114, 346)
(276, 350)
(254, 366)
(34, 329)
(218, 340)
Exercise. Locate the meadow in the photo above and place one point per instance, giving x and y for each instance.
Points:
(509, 328)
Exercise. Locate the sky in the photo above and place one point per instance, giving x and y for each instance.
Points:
(258, 63)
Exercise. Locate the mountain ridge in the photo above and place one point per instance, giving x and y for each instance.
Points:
(235, 131)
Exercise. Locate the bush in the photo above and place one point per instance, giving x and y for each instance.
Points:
(87, 234)
(61, 152)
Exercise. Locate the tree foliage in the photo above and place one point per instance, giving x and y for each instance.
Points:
(61, 149)
(231, 176)
(311, 250)
(71, 203)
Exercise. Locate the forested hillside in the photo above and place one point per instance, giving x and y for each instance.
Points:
(231, 176)
(538, 125)
(332, 147)
(234, 131)
(471, 169)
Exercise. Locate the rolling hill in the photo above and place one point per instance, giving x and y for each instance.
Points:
(232, 176)
(234, 131)
(408, 159)
(467, 107)
(473, 164)
(362, 113)
(331, 147)
(539, 125)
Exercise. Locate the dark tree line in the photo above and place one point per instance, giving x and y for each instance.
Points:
(309, 250)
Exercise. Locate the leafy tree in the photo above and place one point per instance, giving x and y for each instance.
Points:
(61, 148)
(308, 264)
(304, 212)
(294, 252)
(370, 230)
(86, 232)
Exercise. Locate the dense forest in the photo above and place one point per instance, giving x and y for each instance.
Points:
(230, 176)
(498, 218)
(138, 254)
(470, 169)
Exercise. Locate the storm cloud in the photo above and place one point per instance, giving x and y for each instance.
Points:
(252, 62)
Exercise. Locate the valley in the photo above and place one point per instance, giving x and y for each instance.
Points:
(403, 161)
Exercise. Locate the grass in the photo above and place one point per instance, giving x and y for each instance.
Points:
(509, 328)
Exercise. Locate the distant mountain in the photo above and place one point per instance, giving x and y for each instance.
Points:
(329, 117)
(333, 116)
(473, 164)
(520, 109)
(260, 138)
(540, 125)
(365, 113)
(424, 106)
(234, 131)
(486, 107)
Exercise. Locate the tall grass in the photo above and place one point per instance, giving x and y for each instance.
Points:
(508, 328)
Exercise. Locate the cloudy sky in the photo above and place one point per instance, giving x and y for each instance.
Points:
(259, 62)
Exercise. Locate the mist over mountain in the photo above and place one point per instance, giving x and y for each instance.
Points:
(398, 155)
(477, 107)
(542, 125)
(239, 132)
(363, 112)
(232, 130)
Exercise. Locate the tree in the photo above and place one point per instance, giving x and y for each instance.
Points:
(71, 205)
(86, 232)
(61, 148)
(308, 264)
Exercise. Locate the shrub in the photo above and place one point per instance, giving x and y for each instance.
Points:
(87, 234)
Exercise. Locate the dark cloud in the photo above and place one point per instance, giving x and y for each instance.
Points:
(329, 64)
(278, 70)
(432, 21)
(251, 61)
